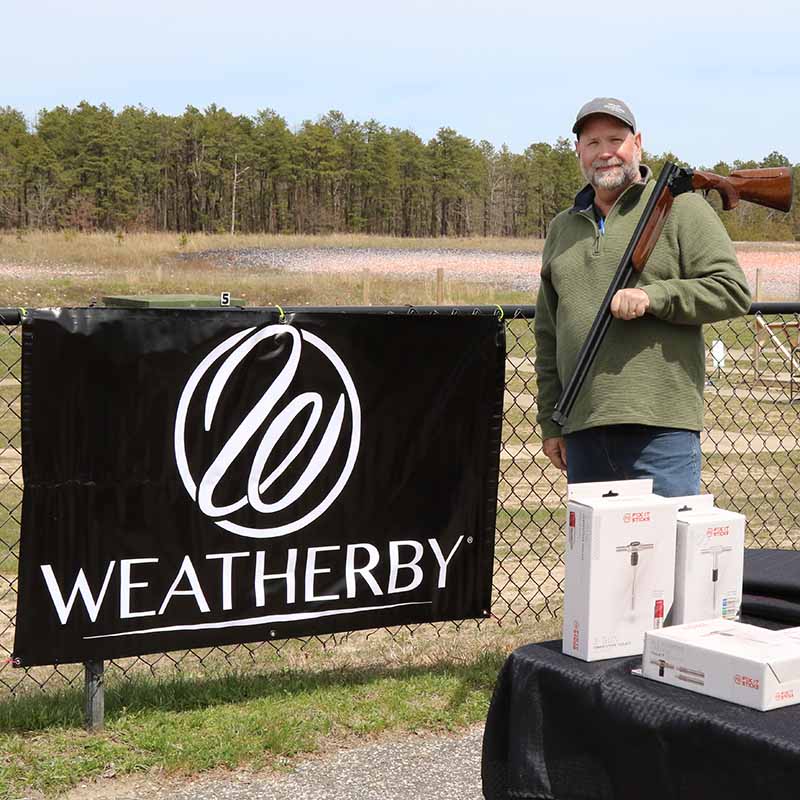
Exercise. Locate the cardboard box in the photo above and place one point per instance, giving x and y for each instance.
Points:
(709, 565)
(744, 664)
(619, 567)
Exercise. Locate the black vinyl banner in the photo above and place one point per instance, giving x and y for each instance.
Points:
(200, 478)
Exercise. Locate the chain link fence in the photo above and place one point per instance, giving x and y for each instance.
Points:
(751, 448)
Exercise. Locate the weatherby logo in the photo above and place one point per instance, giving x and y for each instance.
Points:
(575, 635)
(633, 517)
(292, 446)
(721, 531)
(746, 681)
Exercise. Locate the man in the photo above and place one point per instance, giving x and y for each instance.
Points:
(640, 411)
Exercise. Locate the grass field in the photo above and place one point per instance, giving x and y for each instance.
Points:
(235, 714)
(260, 708)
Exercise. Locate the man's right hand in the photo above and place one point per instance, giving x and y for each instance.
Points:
(555, 449)
(629, 303)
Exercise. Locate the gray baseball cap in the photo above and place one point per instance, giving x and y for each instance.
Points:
(605, 105)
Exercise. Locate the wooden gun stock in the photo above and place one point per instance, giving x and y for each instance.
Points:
(651, 232)
(771, 187)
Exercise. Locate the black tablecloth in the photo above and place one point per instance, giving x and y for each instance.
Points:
(772, 585)
(772, 573)
(563, 729)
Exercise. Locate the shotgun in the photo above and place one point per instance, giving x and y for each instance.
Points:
(771, 187)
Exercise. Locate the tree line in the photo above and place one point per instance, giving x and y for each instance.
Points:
(89, 168)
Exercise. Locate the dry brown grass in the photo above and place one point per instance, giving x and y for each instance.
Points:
(41, 289)
(43, 286)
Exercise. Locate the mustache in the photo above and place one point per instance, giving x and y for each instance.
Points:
(611, 162)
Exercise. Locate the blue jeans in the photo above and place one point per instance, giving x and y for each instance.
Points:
(670, 456)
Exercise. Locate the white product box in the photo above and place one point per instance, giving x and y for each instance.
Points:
(694, 502)
(709, 565)
(619, 567)
(741, 663)
(792, 633)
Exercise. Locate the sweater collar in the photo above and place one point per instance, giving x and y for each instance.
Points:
(585, 197)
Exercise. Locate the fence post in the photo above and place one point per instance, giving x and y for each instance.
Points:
(94, 697)
(439, 286)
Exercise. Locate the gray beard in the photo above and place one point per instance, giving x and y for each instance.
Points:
(618, 179)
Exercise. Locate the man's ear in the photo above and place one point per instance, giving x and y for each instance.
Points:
(638, 140)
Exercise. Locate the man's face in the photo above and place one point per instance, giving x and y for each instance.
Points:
(609, 153)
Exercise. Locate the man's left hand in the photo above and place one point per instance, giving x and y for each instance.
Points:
(629, 304)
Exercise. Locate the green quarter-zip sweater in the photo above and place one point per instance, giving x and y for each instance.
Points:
(649, 370)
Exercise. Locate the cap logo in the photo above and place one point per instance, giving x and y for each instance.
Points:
(614, 107)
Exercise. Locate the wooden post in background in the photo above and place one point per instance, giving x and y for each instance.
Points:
(439, 286)
(757, 340)
(365, 283)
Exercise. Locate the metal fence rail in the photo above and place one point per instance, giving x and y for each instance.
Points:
(751, 447)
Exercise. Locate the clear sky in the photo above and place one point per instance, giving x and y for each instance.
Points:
(708, 80)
